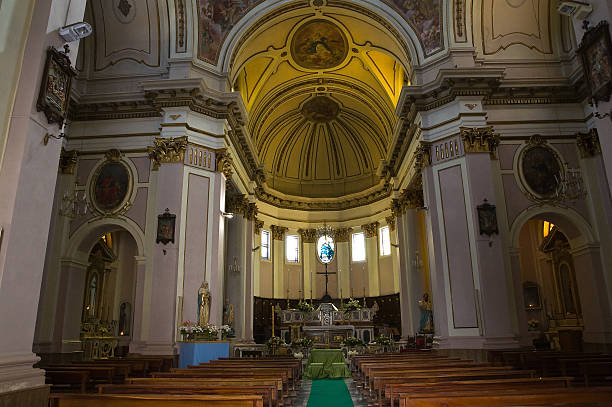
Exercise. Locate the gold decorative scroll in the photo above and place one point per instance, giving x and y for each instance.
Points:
(259, 224)
(308, 235)
(342, 234)
(422, 155)
(370, 229)
(391, 222)
(167, 150)
(588, 143)
(278, 232)
(225, 164)
(68, 160)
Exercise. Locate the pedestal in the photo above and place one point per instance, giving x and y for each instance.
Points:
(194, 353)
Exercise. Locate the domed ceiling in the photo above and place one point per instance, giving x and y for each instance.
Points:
(321, 87)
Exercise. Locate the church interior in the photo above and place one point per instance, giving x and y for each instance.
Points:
(305, 203)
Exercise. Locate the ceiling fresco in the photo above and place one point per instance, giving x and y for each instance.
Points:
(218, 17)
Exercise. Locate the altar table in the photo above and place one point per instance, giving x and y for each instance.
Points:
(194, 353)
(326, 363)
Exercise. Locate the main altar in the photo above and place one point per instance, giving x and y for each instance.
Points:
(327, 325)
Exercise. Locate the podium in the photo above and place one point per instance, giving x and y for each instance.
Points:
(194, 353)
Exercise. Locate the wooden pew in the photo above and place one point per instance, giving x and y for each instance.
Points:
(513, 398)
(592, 370)
(100, 374)
(152, 400)
(394, 391)
(268, 393)
(284, 373)
(78, 378)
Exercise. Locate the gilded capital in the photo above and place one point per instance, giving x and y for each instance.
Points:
(413, 198)
(342, 234)
(167, 150)
(480, 140)
(278, 232)
(68, 160)
(238, 203)
(370, 229)
(588, 143)
(308, 235)
(422, 155)
(391, 222)
(225, 164)
(259, 224)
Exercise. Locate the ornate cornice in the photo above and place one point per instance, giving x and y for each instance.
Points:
(167, 150)
(588, 143)
(68, 161)
(422, 155)
(278, 232)
(342, 234)
(225, 164)
(480, 140)
(410, 198)
(370, 229)
(308, 235)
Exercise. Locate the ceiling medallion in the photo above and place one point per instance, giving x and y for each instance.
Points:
(124, 10)
(319, 44)
(320, 109)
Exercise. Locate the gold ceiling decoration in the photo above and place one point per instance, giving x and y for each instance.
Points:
(319, 44)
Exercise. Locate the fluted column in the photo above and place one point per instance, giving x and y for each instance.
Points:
(343, 257)
(308, 239)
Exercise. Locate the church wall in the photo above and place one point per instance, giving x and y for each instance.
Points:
(386, 271)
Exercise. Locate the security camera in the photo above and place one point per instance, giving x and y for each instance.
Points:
(576, 9)
(76, 31)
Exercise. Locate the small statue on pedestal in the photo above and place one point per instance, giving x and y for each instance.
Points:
(203, 304)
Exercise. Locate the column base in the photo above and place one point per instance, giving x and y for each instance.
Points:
(17, 373)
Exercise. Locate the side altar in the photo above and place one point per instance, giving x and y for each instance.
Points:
(327, 326)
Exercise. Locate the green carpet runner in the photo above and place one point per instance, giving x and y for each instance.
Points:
(329, 392)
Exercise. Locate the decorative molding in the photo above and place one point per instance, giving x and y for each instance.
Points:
(308, 235)
(225, 165)
(113, 155)
(480, 140)
(68, 161)
(370, 229)
(342, 234)
(536, 140)
(460, 21)
(422, 155)
(588, 143)
(179, 7)
(239, 204)
(278, 232)
(410, 198)
(391, 222)
(167, 150)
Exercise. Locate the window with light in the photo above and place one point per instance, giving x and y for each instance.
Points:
(358, 246)
(385, 241)
(292, 249)
(265, 245)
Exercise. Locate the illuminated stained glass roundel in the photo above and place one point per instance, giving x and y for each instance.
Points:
(325, 249)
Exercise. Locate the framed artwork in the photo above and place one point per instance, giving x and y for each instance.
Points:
(165, 227)
(540, 167)
(596, 53)
(531, 296)
(54, 95)
(111, 186)
(487, 219)
(319, 44)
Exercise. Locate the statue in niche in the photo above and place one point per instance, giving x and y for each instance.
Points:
(426, 323)
(203, 304)
(228, 316)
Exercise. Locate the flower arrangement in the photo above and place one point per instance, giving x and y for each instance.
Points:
(298, 355)
(186, 327)
(352, 305)
(383, 340)
(351, 342)
(533, 324)
(305, 307)
(351, 353)
(274, 342)
(210, 330)
(192, 331)
(304, 343)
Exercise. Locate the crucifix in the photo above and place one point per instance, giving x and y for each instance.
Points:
(326, 297)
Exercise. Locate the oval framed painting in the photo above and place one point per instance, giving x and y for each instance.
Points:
(111, 186)
(540, 168)
(325, 249)
(319, 44)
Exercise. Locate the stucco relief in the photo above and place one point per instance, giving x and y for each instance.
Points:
(218, 17)
(516, 22)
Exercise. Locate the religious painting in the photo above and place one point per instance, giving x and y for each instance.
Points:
(487, 219)
(54, 95)
(110, 186)
(216, 20)
(319, 44)
(596, 52)
(531, 295)
(425, 17)
(320, 109)
(166, 223)
(541, 169)
(325, 249)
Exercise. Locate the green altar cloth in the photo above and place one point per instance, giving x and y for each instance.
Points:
(326, 363)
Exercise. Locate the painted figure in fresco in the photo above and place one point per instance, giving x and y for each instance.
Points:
(203, 304)
(426, 324)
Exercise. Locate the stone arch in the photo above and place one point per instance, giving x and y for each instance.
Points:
(410, 38)
(86, 236)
